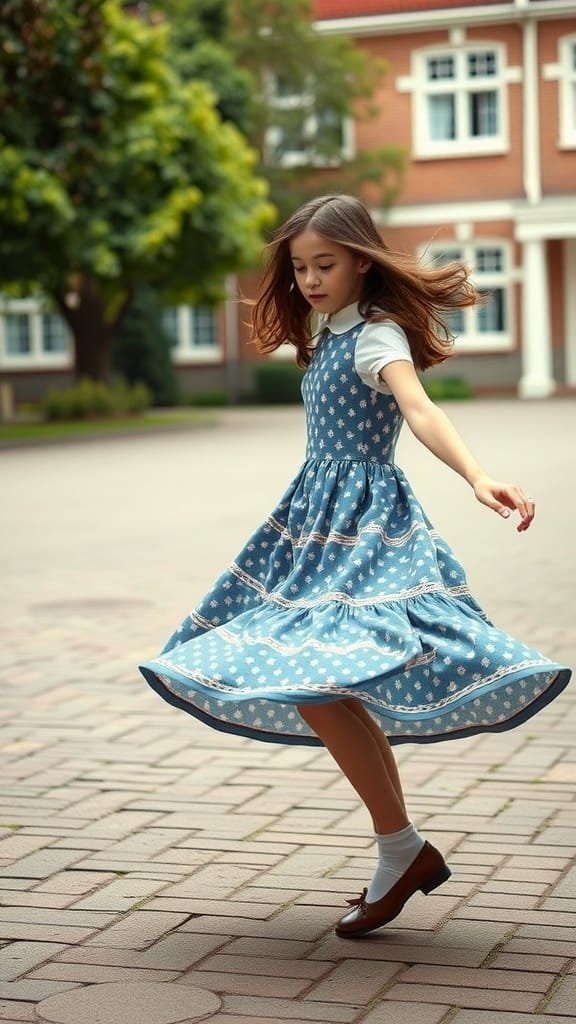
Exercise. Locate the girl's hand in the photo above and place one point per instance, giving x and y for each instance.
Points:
(503, 497)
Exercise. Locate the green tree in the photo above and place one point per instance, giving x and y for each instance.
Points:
(275, 42)
(114, 172)
(141, 348)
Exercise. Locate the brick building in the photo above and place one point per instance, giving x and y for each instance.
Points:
(483, 98)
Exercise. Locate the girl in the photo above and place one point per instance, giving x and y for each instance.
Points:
(346, 620)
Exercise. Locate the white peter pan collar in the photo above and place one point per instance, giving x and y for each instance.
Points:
(346, 318)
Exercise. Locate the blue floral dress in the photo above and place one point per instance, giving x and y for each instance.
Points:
(346, 590)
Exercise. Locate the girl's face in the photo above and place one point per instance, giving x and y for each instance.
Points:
(330, 276)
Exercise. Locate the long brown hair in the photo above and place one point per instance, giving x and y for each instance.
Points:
(396, 286)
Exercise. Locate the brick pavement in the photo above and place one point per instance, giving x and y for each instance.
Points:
(154, 870)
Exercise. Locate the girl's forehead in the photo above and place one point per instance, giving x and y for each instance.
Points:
(309, 243)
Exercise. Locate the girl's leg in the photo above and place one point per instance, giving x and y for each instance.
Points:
(405, 862)
(367, 764)
(358, 708)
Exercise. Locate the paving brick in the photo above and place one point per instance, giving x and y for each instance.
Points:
(392, 1012)
(246, 984)
(489, 1017)
(18, 958)
(16, 1011)
(98, 974)
(282, 948)
(267, 966)
(553, 965)
(33, 991)
(119, 895)
(254, 1006)
(43, 932)
(41, 864)
(354, 981)
(474, 998)
(139, 930)
(488, 977)
(563, 999)
(74, 882)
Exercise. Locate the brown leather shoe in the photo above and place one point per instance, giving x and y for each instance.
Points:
(426, 872)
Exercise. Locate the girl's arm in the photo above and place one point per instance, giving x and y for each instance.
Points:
(433, 428)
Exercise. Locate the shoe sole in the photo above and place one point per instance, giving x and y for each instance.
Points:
(426, 888)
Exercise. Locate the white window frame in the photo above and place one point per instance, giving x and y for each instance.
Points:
(37, 358)
(472, 339)
(567, 90)
(303, 101)
(461, 86)
(185, 352)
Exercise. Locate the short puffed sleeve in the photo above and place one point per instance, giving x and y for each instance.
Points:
(379, 344)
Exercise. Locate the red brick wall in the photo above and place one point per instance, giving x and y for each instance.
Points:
(558, 166)
(453, 178)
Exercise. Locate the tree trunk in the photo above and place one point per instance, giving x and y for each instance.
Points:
(91, 329)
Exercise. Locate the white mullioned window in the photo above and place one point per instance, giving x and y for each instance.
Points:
(32, 337)
(194, 333)
(459, 99)
(303, 134)
(487, 326)
(568, 92)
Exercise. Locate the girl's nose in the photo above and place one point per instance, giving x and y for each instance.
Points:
(311, 277)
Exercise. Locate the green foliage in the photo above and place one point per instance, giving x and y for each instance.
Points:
(141, 349)
(277, 383)
(442, 389)
(91, 399)
(113, 170)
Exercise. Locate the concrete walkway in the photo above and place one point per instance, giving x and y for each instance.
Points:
(154, 871)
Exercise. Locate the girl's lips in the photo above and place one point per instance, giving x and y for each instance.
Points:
(316, 298)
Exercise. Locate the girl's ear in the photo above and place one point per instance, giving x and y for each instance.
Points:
(364, 266)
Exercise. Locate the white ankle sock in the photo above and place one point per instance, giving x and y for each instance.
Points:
(395, 854)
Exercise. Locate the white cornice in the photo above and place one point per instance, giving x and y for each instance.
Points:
(409, 21)
(552, 217)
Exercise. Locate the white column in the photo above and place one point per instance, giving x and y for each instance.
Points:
(537, 380)
(570, 310)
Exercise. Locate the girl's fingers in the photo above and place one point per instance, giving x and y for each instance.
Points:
(504, 498)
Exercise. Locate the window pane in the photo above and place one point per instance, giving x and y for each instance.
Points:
(285, 87)
(482, 64)
(170, 324)
(441, 257)
(55, 336)
(18, 340)
(455, 321)
(290, 136)
(329, 132)
(491, 316)
(203, 321)
(489, 261)
(483, 113)
(440, 68)
(441, 117)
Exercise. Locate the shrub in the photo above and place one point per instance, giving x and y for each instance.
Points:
(277, 383)
(206, 398)
(92, 399)
(443, 389)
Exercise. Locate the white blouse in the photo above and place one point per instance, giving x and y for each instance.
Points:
(377, 345)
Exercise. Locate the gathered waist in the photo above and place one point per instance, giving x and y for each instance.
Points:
(327, 460)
